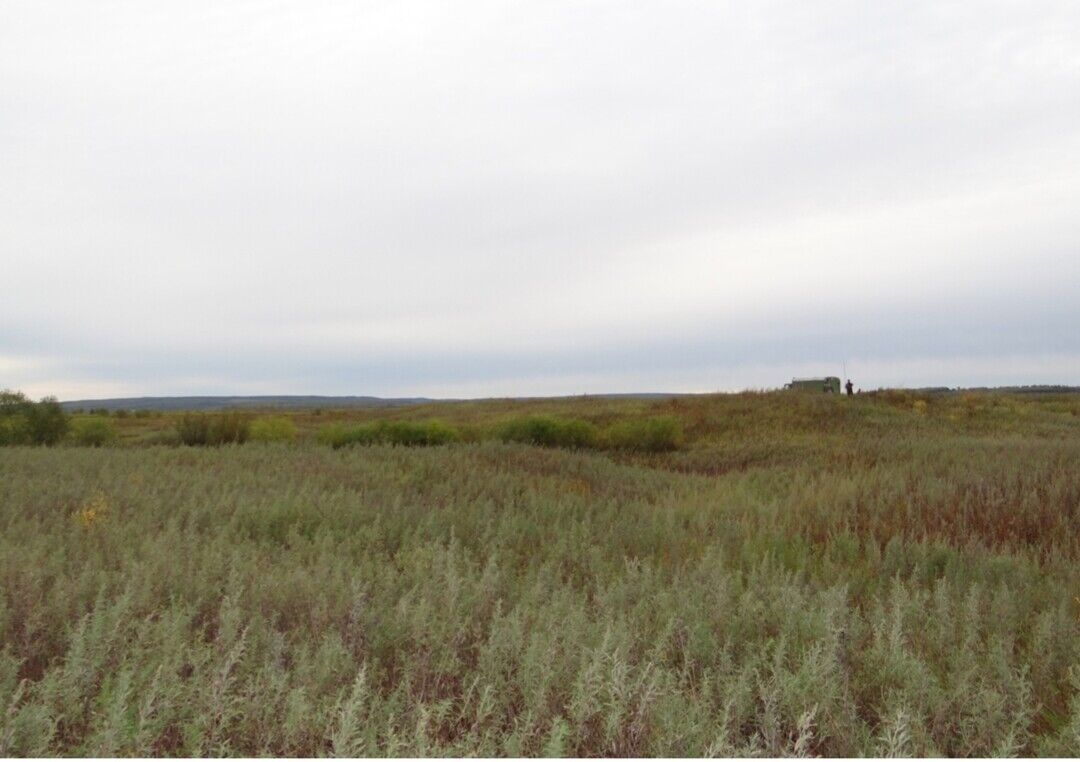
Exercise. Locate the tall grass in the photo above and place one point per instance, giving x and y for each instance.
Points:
(195, 429)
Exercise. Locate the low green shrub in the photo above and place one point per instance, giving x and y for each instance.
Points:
(409, 434)
(93, 432)
(401, 433)
(647, 435)
(549, 432)
(274, 429)
(332, 435)
(367, 434)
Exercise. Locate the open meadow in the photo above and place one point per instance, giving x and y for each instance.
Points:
(773, 573)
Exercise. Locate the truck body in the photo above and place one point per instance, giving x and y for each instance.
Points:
(823, 385)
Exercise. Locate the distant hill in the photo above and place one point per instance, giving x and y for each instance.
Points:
(1037, 389)
(220, 403)
(290, 402)
(1034, 389)
(293, 402)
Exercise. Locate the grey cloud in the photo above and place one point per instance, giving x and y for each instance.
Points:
(414, 195)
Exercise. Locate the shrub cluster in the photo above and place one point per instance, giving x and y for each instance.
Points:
(647, 435)
(200, 429)
(273, 429)
(402, 433)
(24, 422)
(93, 432)
(550, 432)
(662, 434)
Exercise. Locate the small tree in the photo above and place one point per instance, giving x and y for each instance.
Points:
(46, 422)
(13, 406)
(13, 403)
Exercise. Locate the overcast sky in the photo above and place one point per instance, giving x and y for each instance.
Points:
(503, 198)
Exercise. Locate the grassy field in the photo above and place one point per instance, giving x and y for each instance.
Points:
(888, 574)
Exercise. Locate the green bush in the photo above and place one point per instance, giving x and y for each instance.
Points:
(200, 429)
(647, 435)
(46, 422)
(93, 432)
(360, 435)
(401, 433)
(332, 435)
(275, 429)
(549, 432)
(409, 434)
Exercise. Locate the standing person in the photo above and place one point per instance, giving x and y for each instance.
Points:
(850, 387)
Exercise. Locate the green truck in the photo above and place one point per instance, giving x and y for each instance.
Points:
(826, 385)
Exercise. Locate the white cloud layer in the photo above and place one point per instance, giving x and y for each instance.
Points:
(536, 198)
